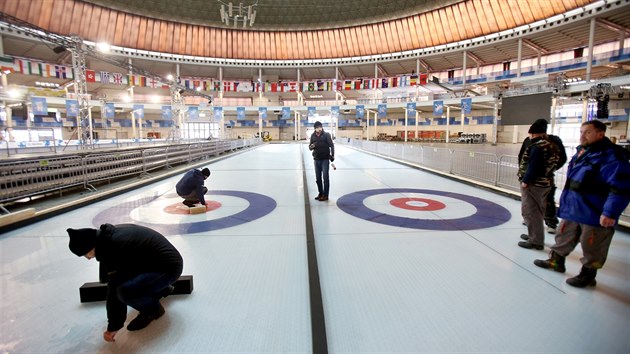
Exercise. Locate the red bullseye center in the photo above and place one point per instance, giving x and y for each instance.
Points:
(417, 204)
(179, 208)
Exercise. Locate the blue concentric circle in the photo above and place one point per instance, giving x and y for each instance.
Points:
(488, 214)
(259, 206)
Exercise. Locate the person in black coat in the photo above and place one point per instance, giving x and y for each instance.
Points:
(323, 149)
(551, 219)
(141, 267)
(191, 188)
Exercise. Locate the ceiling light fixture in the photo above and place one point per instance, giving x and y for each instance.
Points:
(242, 13)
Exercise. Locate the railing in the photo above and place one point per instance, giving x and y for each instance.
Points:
(27, 177)
(493, 170)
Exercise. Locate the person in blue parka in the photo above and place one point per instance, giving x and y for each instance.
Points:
(596, 192)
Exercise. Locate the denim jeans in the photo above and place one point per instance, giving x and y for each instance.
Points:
(321, 175)
(144, 291)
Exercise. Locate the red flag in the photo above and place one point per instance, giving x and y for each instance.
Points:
(90, 76)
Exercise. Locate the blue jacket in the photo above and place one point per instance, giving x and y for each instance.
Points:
(598, 182)
(192, 182)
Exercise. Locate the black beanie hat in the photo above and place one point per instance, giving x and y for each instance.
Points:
(538, 127)
(317, 124)
(82, 241)
(206, 172)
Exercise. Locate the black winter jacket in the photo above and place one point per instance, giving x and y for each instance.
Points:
(125, 251)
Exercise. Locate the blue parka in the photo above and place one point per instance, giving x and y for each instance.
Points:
(598, 182)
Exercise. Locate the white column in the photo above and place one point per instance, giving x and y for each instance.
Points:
(416, 131)
(495, 121)
(591, 40)
(519, 57)
(406, 117)
(367, 114)
(448, 120)
(465, 56)
(585, 109)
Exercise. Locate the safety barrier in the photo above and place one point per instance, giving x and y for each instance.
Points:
(21, 178)
(25, 178)
(499, 171)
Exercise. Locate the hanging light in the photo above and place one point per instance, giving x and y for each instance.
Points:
(233, 14)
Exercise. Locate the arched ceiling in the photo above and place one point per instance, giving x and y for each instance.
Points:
(280, 14)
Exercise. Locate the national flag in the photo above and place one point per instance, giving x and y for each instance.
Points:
(142, 81)
(118, 78)
(60, 72)
(311, 86)
(395, 82)
(423, 79)
(348, 85)
(228, 86)
(320, 86)
(245, 86)
(45, 70)
(339, 86)
(90, 76)
(216, 85)
(274, 87)
(34, 69)
(154, 83)
(413, 81)
(196, 83)
(104, 77)
(293, 86)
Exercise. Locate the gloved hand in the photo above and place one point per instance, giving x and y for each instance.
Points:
(332, 158)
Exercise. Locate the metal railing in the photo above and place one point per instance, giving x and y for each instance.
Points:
(31, 176)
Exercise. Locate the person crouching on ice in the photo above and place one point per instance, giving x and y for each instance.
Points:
(141, 267)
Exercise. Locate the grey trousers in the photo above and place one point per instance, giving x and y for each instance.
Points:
(533, 203)
(595, 241)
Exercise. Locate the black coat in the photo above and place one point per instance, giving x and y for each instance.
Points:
(125, 251)
(322, 146)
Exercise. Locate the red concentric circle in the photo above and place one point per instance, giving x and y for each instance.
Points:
(417, 204)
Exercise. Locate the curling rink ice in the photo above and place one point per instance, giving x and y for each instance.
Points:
(408, 262)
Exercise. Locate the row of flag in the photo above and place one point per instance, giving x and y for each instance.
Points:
(28, 67)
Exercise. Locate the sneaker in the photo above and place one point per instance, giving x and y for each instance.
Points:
(525, 237)
(141, 321)
(528, 245)
(188, 203)
(551, 230)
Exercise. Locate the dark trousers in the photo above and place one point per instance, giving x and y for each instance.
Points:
(144, 291)
(551, 219)
(193, 197)
(321, 175)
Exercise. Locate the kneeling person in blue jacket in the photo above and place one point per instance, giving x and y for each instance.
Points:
(141, 267)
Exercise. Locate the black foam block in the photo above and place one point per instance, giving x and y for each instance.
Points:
(95, 291)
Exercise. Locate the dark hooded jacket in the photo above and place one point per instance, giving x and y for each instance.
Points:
(192, 181)
(125, 251)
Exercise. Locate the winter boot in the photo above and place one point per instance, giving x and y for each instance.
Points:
(555, 262)
(584, 279)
